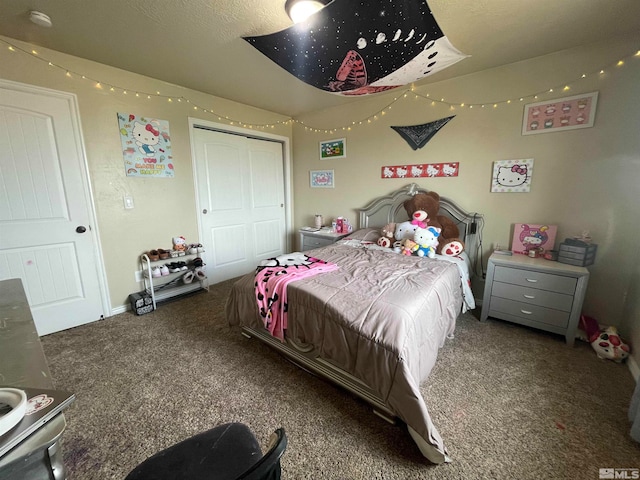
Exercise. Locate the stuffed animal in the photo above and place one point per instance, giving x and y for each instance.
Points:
(387, 235)
(408, 246)
(179, 244)
(427, 240)
(607, 343)
(405, 230)
(420, 218)
(448, 242)
(384, 242)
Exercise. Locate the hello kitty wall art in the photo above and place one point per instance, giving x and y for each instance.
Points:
(512, 176)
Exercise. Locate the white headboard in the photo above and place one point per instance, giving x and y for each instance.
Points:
(390, 208)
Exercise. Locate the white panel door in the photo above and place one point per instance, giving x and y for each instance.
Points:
(240, 184)
(46, 236)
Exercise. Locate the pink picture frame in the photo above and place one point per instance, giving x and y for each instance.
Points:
(567, 113)
(529, 236)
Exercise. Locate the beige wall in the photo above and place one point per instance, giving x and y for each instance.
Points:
(164, 207)
(583, 179)
(586, 179)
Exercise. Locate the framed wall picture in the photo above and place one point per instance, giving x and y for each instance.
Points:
(146, 146)
(321, 178)
(567, 113)
(512, 176)
(333, 148)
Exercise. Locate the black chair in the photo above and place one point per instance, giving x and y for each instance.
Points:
(226, 452)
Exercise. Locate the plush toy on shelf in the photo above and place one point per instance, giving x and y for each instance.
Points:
(427, 240)
(607, 343)
(179, 244)
(448, 242)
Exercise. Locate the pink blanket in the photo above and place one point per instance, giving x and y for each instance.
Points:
(272, 278)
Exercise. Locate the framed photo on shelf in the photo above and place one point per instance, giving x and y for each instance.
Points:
(321, 179)
(336, 148)
(533, 237)
(561, 114)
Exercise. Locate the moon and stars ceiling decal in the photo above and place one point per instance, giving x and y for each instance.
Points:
(417, 136)
(360, 47)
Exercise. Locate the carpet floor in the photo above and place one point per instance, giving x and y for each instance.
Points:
(509, 401)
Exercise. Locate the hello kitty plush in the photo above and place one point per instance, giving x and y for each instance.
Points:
(179, 244)
(427, 240)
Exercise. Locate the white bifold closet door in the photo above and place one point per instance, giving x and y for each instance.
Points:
(240, 187)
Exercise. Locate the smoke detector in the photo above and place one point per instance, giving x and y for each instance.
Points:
(40, 18)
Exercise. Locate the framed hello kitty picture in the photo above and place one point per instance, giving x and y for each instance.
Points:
(146, 146)
(512, 176)
(567, 113)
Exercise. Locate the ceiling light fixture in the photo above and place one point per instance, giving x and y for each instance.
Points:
(300, 10)
(40, 18)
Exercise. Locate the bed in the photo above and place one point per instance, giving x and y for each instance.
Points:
(374, 325)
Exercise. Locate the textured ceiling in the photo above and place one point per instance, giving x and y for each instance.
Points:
(198, 44)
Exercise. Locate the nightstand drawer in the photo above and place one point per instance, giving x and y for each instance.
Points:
(539, 280)
(531, 313)
(533, 296)
(314, 242)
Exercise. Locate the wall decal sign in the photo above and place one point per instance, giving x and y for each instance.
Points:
(417, 136)
(567, 113)
(321, 179)
(357, 48)
(449, 169)
(146, 146)
(333, 148)
(512, 176)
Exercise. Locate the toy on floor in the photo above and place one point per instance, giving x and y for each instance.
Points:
(607, 343)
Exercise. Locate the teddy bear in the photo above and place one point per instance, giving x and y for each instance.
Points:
(448, 242)
(427, 240)
(420, 218)
(387, 235)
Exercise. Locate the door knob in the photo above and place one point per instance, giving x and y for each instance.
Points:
(204, 211)
(81, 229)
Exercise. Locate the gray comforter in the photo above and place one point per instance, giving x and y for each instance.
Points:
(381, 317)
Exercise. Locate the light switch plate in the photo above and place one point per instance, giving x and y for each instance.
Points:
(128, 201)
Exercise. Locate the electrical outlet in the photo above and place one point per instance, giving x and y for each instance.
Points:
(138, 276)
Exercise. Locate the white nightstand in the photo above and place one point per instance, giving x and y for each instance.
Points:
(312, 238)
(535, 292)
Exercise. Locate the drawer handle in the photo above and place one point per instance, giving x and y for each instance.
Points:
(532, 280)
(526, 312)
(529, 296)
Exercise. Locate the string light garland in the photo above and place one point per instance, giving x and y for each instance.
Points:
(403, 96)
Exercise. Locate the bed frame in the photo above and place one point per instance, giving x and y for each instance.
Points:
(379, 212)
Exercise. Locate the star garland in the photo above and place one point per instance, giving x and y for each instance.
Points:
(409, 93)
